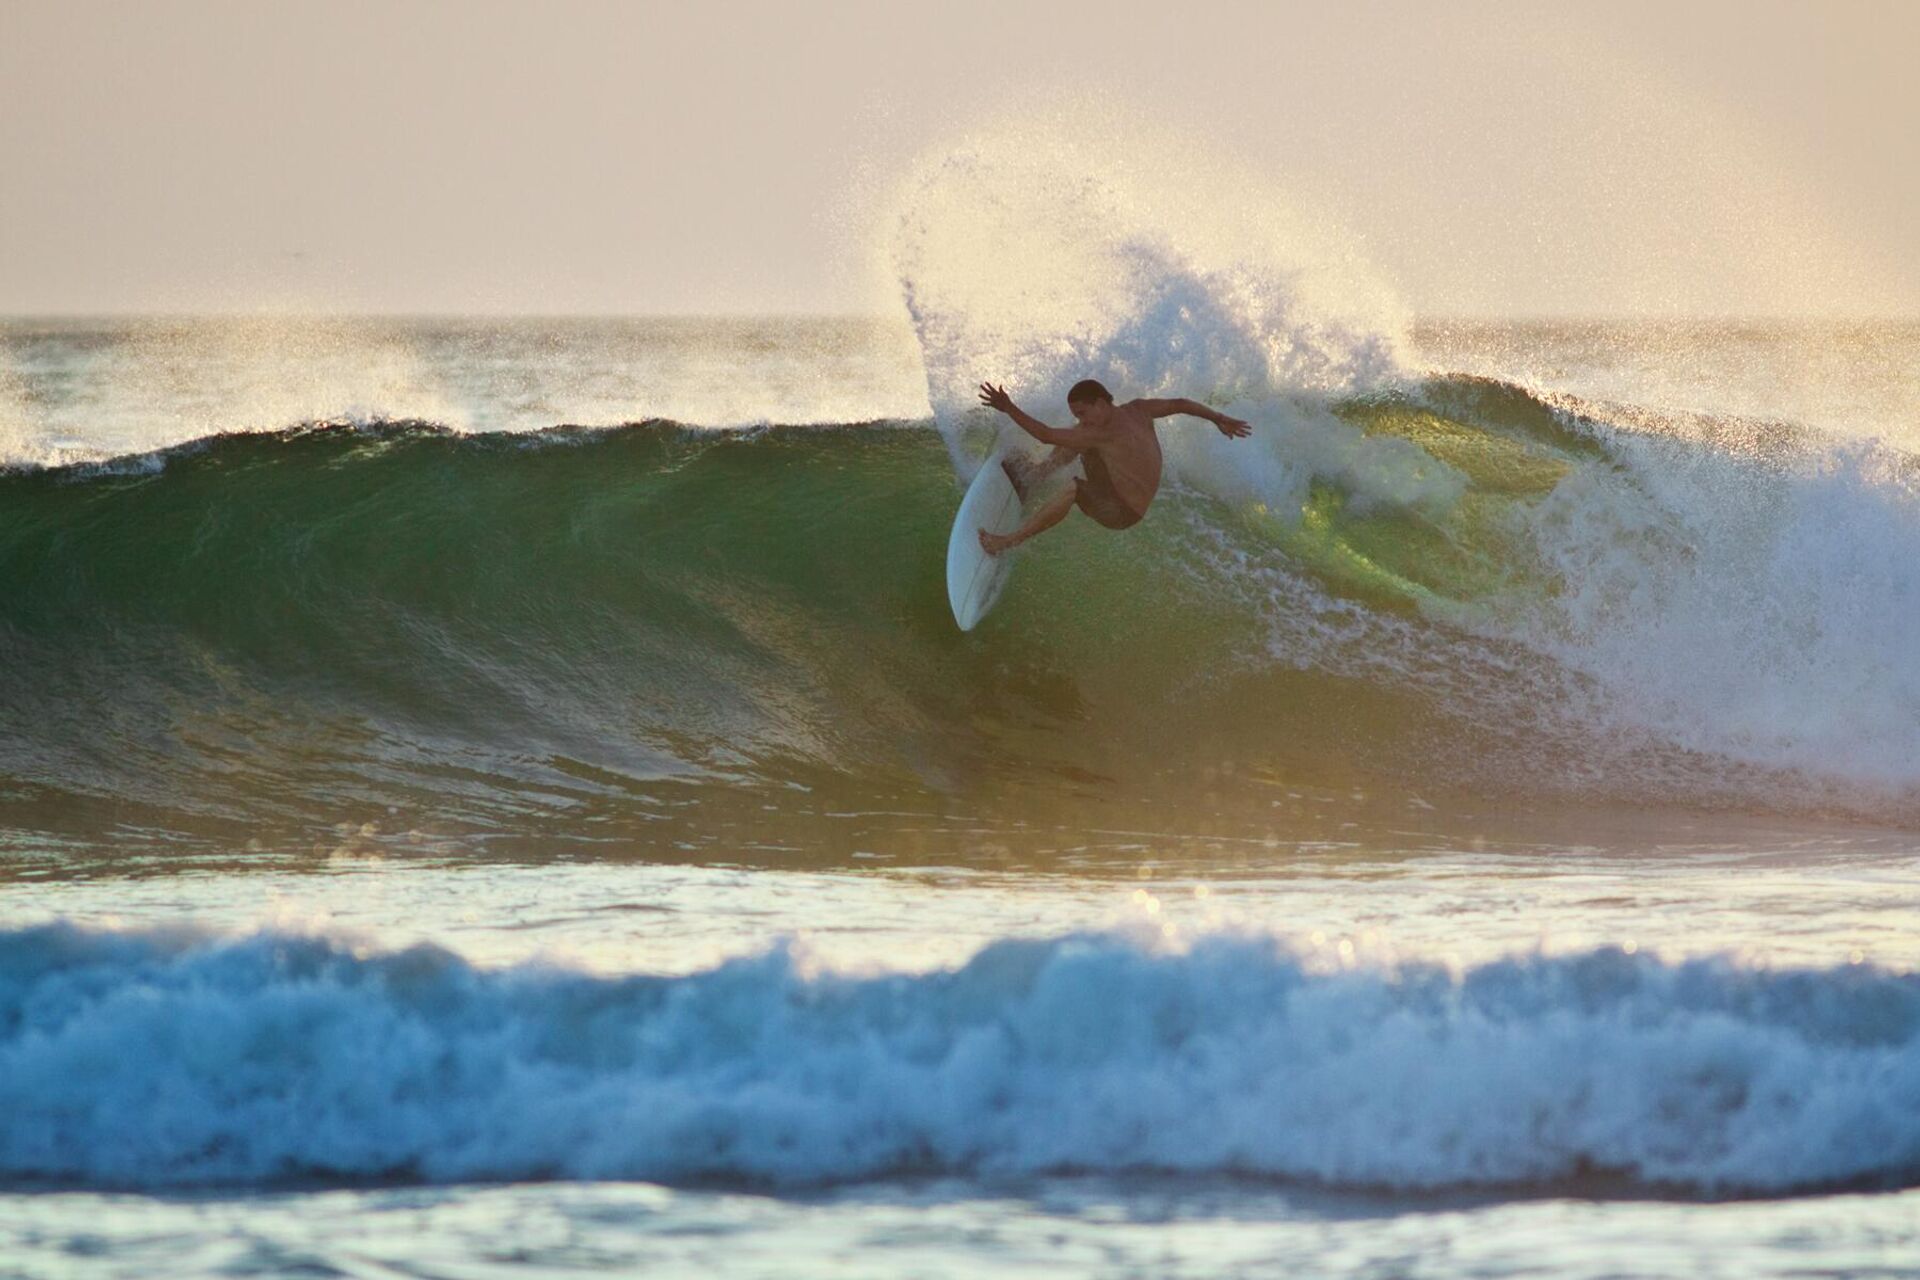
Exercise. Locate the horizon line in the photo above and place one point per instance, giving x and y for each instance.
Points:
(1432, 318)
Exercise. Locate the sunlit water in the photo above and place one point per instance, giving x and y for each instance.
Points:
(1725, 989)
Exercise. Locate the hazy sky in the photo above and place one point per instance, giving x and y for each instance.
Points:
(413, 155)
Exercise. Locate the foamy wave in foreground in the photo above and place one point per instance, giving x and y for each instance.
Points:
(166, 1060)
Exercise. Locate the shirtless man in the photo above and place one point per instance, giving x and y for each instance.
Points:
(1121, 452)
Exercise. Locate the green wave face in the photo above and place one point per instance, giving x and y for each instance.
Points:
(1461, 558)
(604, 633)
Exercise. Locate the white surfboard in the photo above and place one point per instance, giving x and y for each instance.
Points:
(974, 578)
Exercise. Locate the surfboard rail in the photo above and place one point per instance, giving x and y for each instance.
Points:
(974, 578)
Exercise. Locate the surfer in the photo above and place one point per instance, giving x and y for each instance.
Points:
(1119, 451)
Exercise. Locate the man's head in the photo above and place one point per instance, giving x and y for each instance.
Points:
(1090, 403)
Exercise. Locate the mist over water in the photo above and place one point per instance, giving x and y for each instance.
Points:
(75, 390)
(1848, 379)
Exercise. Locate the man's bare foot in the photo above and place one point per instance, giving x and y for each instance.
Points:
(1017, 469)
(994, 543)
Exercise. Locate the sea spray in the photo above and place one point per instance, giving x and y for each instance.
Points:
(1040, 251)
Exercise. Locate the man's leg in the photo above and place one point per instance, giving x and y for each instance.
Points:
(1025, 475)
(1044, 519)
(1059, 458)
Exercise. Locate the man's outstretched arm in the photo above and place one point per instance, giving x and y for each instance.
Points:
(1168, 408)
(1071, 437)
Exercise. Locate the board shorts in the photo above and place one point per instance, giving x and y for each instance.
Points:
(1096, 495)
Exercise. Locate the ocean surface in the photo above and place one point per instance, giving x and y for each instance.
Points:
(507, 796)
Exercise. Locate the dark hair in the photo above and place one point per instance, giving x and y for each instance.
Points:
(1087, 390)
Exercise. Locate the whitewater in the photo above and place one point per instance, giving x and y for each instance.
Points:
(514, 784)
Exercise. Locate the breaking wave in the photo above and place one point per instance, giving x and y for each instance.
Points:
(168, 1061)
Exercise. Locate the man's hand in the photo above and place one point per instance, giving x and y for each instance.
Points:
(1232, 427)
(996, 398)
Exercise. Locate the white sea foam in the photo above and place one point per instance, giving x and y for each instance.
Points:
(1745, 593)
(171, 1060)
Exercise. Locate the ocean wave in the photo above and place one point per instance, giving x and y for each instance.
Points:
(171, 1060)
(1452, 581)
